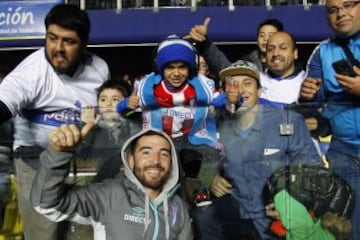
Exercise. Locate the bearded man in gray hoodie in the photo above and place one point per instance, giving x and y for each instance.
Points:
(140, 203)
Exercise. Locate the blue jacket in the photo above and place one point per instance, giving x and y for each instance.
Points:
(204, 127)
(342, 108)
(252, 155)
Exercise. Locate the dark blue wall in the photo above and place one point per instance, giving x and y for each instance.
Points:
(136, 26)
(146, 26)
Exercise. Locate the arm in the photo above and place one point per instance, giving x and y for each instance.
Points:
(350, 84)
(301, 146)
(215, 58)
(311, 88)
(50, 195)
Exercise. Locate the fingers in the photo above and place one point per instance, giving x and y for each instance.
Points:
(133, 100)
(233, 97)
(310, 87)
(187, 37)
(86, 129)
(206, 22)
(220, 186)
(87, 114)
(311, 123)
(356, 70)
(270, 211)
(198, 32)
(65, 137)
(135, 92)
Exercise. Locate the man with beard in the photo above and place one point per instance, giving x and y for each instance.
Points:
(47, 89)
(340, 91)
(138, 204)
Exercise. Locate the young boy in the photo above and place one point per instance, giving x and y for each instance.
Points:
(104, 142)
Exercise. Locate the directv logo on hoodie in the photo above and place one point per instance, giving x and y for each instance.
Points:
(137, 216)
(132, 218)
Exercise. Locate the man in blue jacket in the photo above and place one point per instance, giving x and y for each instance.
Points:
(257, 140)
(341, 93)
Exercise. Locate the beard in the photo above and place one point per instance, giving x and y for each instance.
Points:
(67, 67)
(155, 183)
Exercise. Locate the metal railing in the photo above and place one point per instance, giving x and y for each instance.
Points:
(193, 4)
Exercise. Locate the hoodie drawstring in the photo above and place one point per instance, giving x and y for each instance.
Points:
(146, 222)
(166, 215)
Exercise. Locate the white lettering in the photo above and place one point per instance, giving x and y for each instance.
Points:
(132, 218)
(16, 17)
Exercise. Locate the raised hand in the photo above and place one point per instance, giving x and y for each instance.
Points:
(350, 84)
(198, 32)
(134, 100)
(66, 137)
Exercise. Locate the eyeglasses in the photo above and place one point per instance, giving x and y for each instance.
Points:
(348, 5)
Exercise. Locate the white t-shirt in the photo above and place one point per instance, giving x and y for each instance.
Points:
(282, 90)
(48, 98)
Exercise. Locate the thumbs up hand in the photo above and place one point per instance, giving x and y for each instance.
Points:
(198, 32)
(133, 100)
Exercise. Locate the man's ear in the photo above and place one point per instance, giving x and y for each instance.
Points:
(131, 161)
(260, 90)
(296, 54)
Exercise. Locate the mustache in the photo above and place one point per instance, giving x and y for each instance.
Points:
(59, 53)
(152, 166)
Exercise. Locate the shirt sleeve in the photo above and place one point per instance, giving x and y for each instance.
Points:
(214, 57)
(58, 201)
(314, 70)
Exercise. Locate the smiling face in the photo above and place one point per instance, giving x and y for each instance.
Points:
(63, 48)
(281, 54)
(343, 16)
(247, 89)
(176, 73)
(151, 161)
(265, 32)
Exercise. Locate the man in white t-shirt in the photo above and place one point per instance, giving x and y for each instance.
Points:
(47, 89)
(282, 79)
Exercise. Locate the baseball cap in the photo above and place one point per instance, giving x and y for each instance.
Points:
(241, 67)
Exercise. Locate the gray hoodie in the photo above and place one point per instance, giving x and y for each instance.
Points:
(117, 208)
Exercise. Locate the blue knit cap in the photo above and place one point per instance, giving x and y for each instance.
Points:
(175, 49)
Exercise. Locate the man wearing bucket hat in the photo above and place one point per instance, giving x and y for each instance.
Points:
(177, 100)
(257, 139)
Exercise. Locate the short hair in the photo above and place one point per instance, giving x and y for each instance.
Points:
(134, 142)
(292, 39)
(70, 16)
(113, 84)
(273, 22)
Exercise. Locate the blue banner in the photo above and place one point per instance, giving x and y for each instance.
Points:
(24, 19)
